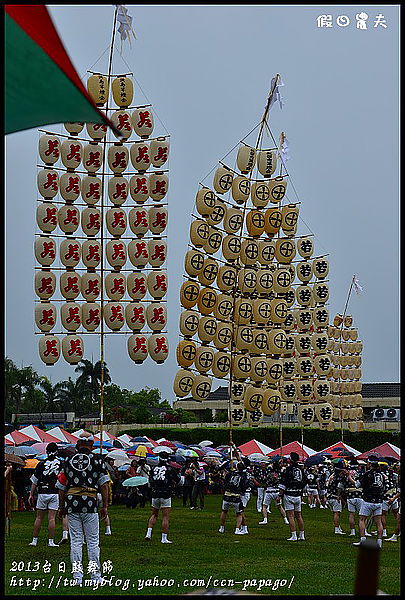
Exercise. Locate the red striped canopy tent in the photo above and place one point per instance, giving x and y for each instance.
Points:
(254, 446)
(36, 433)
(41, 83)
(302, 451)
(17, 437)
(339, 449)
(62, 435)
(386, 450)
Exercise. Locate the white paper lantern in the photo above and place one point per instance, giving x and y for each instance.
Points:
(204, 358)
(97, 131)
(231, 247)
(222, 180)
(73, 127)
(156, 316)
(138, 253)
(158, 185)
(70, 284)
(246, 159)
(138, 348)
(183, 382)
(157, 284)
(91, 315)
(157, 217)
(118, 157)
(285, 250)
(47, 217)
(266, 162)
(70, 252)
(140, 156)
(48, 183)
(276, 341)
(277, 188)
(118, 189)
(241, 366)
(260, 194)
(240, 189)
(249, 252)
(226, 278)
(92, 157)
(213, 242)
(304, 295)
(45, 250)
(218, 213)
(91, 221)
(209, 272)
(91, 253)
(139, 188)
(281, 280)
(49, 149)
(136, 285)
(98, 88)
(306, 414)
(71, 152)
(116, 252)
(224, 307)
(122, 122)
(259, 369)
(142, 122)
(261, 311)
(189, 321)
(266, 252)
(321, 292)
(288, 390)
(223, 336)
(305, 247)
(114, 315)
(201, 387)
(90, 286)
(243, 311)
(247, 280)
(135, 316)
(49, 349)
(45, 316)
(123, 91)
(321, 267)
(158, 347)
(233, 220)
(159, 151)
(116, 221)
(70, 315)
(304, 271)
(115, 286)
(91, 189)
(221, 364)
(68, 218)
(236, 391)
(44, 284)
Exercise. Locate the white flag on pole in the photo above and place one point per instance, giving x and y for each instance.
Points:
(356, 285)
(125, 24)
(276, 83)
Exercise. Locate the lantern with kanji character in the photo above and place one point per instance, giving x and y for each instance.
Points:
(304, 295)
(289, 367)
(304, 366)
(223, 308)
(222, 180)
(207, 327)
(138, 222)
(116, 252)
(47, 217)
(90, 315)
(231, 246)
(241, 365)
(70, 315)
(158, 347)
(92, 157)
(114, 315)
(348, 321)
(319, 342)
(321, 292)
(240, 189)
(122, 91)
(271, 401)
(303, 318)
(304, 271)
(73, 127)
(306, 414)
(135, 316)
(189, 321)
(157, 217)
(117, 158)
(45, 316)
(49, 349)
(98, 88)
(236, 415)
(70, 284)
(71, 153)
(321, 317)
(253, 398)
(45, 284)
(68, 218)
(183, 382)
(91, 253)
(201, 387)
(45, 250)
(70, 252)
(48, 183)
(142, 122)
(49, 149)
(223, 336)
(115, 285)
(233, 220)
(213, 241)
(321, 267)
(156, 316)
(122, 122)
(91, 221)
(159, 151)
(91, 189)
(246, 159)
(204, 358)
(289, 324)
(303, 343)
(207, 299)
(305, 247)
(90, 286)
(289, 220)
(209, 272)
(118, 189)
(157, 250)
(322, 390)
(97, 131)
(139, 186)
(158, 185)
(138, 347)
(116, 221)
(337, 320)
(157, 284)
(236, 390)
(322, 364)
(266, 162)
(288, 390)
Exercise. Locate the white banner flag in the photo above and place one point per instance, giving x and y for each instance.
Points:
(125, 23)
(356, 285)
(276, 83)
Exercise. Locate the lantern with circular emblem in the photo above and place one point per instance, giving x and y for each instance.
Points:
(122, 91)
(204, 358)
(241, 366)
(156, 316)
(92, 157)
(207, 328)
(266, 252)
(71, 153)
(223, 336)
(97, 131)
(70, 252)
(274, 370)
(205, 201)
(49, 149)
(305, 247)
(276, 341)
(249, 252)
(207, 299)
(138, 221)
(222, 180)
(285, 250)
(193, 262)
(115, 285)
(289, 220)
(158, 186)
(201, 387)
(277, 188)
(138, 347)
(217, 214)
(213, 242)
(185, 353)
(45, 284)
(183, 382)
(189, 293)
(244, 337)
(97, 86)
(306, 414)
(91, 189)
(90, 315)
(255, 223)
(281, 280)
(209, 272)
(70, 315)
(199, 232)
(118, 157)
(189, 321)
(45, 250)
(91, 253)
(157, 250)
(259, 369)
(47, 217)
(136, 285)
(48, 183)
(142, 121)
(157, 217)
(261, 311)
(246, 159)
(271, 401)
(288, 390)
(116, 252)
(138, 253)
(240, 189)
(221, 364)
(279, 310)
(158, 347)
(45, 316)
(272, 221)
(116, 221)
(233, 220)
(122, 121)
(49, 349)
(226, 278)
(224, 307)
(70, 284)
(243, 311)
(253, 398)
(260, 194)
(159, 151)
(247, 280)
(114, 315)
(91, 221)
(90, 286)
(157, 284)
(74, 128)
(231, 246)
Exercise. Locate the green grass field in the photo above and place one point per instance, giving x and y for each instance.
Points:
(200, 556)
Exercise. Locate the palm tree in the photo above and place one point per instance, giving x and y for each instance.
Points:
(51, 393)
(91, 374)
(74, 396)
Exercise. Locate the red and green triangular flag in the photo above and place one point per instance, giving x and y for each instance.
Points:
(42, 85)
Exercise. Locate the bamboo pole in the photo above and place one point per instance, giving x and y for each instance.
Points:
(340, 340)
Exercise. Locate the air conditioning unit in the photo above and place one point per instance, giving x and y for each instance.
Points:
(378, 414)
(392, 414)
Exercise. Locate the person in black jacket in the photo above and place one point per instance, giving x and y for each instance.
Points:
(188, 482)
(291, 487)
(235, 484)
(373, 485)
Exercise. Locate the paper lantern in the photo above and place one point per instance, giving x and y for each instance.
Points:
(276, 341)
(209, 272)
(253, 398)
(337, 320)
(304, 271)
(91, 221)
(185, 353)
(231, 246)
(137, 347)
(223, 336)
(201, 387)
(116, 221)
(70, 314)
(142, 121)
(289, 220)
(71, 153)
(279, 310)
(157, 250)
(288, 324)
(138, 253)
(156, 316)
(222, 180)
(259, 369)
(277, 188)
(115, 285)
(189, 292)
(122, 91)
(118, 157)
(305, 247)
(226, 278)
(91, 186)
(45, 250)
(303, 343)
(321, 292)
(206, 300)
(159, 151)
(90, 285)
(247, 280)
(322, 390)
(274, 370)
(207, 327)
(213, 242)
(289, 344)
(221, 364)
(48, 183)
(345, 335)
(266, 162)
(233, 220)
(289, 368)
(322, 364)
(49, 149)
(304, 390)
(114, 315)
(271, 401)
(241, 366)
(321, 267)
(306, 414)
(140, 156)
(138, 221)
(236, 391)
(243, 311)
(91, 253)
(158, 185)
(205, 201)
(46, 215)
(224, 307)
(240, 189)
(266, 252)
(122, 122)
(97, 131)
(249, 252)
(236, 415)
(304, 366)
(285, 250)
(90, 315)
(70, 284)
(288, 390)
(254, 417)
(319, 342)
(116, 252)
(45, 316)
(321, 317)
(303, 319)
(70, 252)
(93, 157)
(348, 321)
(255, 223)
(281, 280)
(189, 321)
(246, 159)
(158, 347)
(199, 232)
(260, 194)
(304, 295)
(139, 186)
(68, 218)
(244, 338)
(136, 285)
(73, 127)
(261, 311)
(157, 219)
(204, 358)
(97, 86)
(217, 214)
(272, 221)
(193, 262)
(45, 284)
(353, 334)
(49, 349)
(183, 383)
(157, 284)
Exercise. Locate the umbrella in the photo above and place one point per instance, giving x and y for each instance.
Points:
(205, 443)
(257, 457)
(179, 458)
(97, 451)
(117, 453)
(213, 454)
(316, 459)
(135, 481)
(123, 467)
(179, 445)
(16, 460)
(174, 464)
(24, 451)
(202, 464)
(118, 444)
(168, 444)
(40, 447)
(140, 438)
(31, 463)
(188, 453)
(152, 460)
(104, 445)
(161, 448)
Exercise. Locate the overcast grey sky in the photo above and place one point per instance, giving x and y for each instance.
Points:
(207, 71)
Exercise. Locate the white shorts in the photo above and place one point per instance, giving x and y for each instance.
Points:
(313, 491)
(370, 509)
(237, 506)
(48, 502)
(245, 499)
(387, 507)
(270, 496)
(354, 504)
(292, 503)
(161, 502)
(322, 492)
(335, 505)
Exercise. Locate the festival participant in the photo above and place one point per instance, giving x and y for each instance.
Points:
(397, 532)
(323, 476)
(82, 475)
(162, 479)
(245, 497)
(188, 482)
(235, 484)
(272, 494)
(373, 485)
(259, 480)
(143, 470)
(312, 479)
(44, 480)
(291, 487)
(353, 493)
(334, 488)
(391, 482)
(198, 485)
